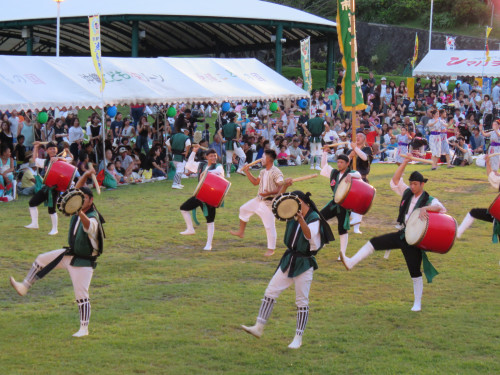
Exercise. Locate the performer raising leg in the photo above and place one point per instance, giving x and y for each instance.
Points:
(304, 237)
(210, 166)
(86, 238)
(413, 197)
(270, 181)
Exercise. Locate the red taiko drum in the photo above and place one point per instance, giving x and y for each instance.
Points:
(356, 196)
(494, 209)
(212, 189)
(428, 155)
(59, 174)
(436, 234)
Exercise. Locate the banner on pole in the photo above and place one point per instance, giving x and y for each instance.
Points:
(305, 62)
(95, 47)
(352, 97)
(488, 31)
(415, 52)
(450, 43)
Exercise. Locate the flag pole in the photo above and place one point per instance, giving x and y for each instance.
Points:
(430, 25)
(353, 84)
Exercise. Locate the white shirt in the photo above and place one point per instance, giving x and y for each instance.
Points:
(315, 241)
(74, 134)
(401, 187)
(192, 166)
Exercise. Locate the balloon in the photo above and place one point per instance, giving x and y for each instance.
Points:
(171, 112)
(112, 111)
(226, 107)
(273, 106)
(42, 117)
(303, 103)
(458, 82)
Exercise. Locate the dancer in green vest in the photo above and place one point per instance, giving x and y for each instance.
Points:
(85, 238)
(231, 134)
(315, 130)
(178, 145)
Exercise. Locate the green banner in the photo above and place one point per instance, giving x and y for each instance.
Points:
(352, 97)
(305, 62)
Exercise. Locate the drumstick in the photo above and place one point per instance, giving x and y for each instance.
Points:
(308, 177)
(94, 180)
(254, 162)
(336, 144)
(417, 159)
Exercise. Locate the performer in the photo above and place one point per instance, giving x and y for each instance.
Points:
(270, 181)
(445, 147)
(178, 145)
(483, 213)
(434, 126)
(404, 140)
(364, 156)
(413, 197)
(231, 133)
(315, 130)
(85, 238)
(304, 237)
(494, 148)
(211, 166)
(332, 209)
(45, 194)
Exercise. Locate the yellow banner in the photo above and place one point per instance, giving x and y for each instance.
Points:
(410, 84)
(95, 47)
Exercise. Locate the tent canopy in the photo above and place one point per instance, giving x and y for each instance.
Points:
(36, 82)
(458, 63)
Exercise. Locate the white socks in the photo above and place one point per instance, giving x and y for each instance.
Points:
(356, 222)
(34, 218)
(418, 288)
(466, 223)
(189, 223)
(210, 235)
(363, 253)
(84, 309)
(53, 219)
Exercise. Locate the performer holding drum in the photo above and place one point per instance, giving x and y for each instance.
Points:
(58, 177)
(304, 237)
(270, 181)
(179, 145)
(414, 199)
(208, 166)
(85, 238)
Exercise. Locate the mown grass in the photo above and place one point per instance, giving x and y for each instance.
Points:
(161, 305)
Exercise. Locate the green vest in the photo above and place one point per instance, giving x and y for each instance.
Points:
(178, 145)
(80, 242)
(298, 257)
(229, 132)
(316, 127)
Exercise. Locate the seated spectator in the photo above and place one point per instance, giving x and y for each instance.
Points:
(27, 184)
(477, 142)
(283, 157)
(462, 155)
(20, 150)
(6, 173)
(154, 162)
(109, 159)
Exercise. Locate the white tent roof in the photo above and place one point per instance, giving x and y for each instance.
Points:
(458, 63)
(35, 82)
(245, 9)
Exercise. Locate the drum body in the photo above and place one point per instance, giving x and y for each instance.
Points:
(437, 233)
(59, 174)
(212, 189)
(286, 206)
(70, 202)
(428, 155)
(356, 196)
(494, 209)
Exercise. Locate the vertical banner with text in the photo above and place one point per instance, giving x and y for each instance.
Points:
(352, 97)
(305, 62)
(95, 47)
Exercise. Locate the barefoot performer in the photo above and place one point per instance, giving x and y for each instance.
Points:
(304, 237)
(270, 181)
(86, 238)
(210, 166)
(414, 197)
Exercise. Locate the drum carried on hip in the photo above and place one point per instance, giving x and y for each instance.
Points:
(59, 174)
(494, 209)
(212, 189)
(356, 195)
(70, 202)
(286, 206)
(436, 233)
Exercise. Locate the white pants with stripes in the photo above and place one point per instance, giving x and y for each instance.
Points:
(80, 276)
(179, 170)
(281, 281)
(240, 153)
(316, 149)
(261, 208)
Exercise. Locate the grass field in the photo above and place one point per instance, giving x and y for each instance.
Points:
(161, 305)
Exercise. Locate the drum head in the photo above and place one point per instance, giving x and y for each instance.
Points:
(200, 183)
(70, 202)
(415, 228)
(286, 206)
(342, 191)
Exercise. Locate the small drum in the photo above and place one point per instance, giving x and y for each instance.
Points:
(494, 209)
(436, 234)
(286, 206)
(59, 174)
(428, 155)
(70, 202)
(356, 196)
(212, 189)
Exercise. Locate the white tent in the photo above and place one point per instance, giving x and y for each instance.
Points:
(458, 63)
(35, 82)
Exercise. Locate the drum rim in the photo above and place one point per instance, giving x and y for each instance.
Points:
(63, 199)
(225, 192)
(424, 232)
(346, 194)
(371, 203)
(280, 197)
(200, 183)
